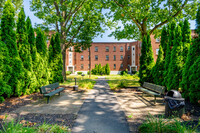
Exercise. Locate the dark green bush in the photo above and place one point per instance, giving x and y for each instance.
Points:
(79, 73)
(68, 72)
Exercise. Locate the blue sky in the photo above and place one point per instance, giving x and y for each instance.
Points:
(105, 37)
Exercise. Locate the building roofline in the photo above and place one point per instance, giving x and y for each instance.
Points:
(113, 42)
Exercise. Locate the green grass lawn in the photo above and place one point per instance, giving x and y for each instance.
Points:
(118, 81)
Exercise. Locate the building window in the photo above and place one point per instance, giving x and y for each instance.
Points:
(114, 57)
(157, 39)
(88, 66)
(81, 57)
(128, 56)
(70, 49)
(121, 57)
(114, 48)
(70, 55)
(88, 49)
(107, 49)
(121, 49)
(96, 57)
(128, 47)
(88, 57)
(81, 66)
(140, 44)
(81, 48)
(157, 51)
(107, 57)
(96, 49)
(121, 66)
(114, 66)
(128, 66)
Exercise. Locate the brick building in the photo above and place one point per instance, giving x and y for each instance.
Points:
(119, 55)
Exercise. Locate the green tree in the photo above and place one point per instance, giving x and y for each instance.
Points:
(194, 91)
(57, 60)
(141, 17)
(43, 73)
(191, 58)
(171, 31)
(99, 69)
(31, 37)
(186, 33)
(176, 62)
(107, 69)
(158, 69)
(5, 71)
(17, 5)
(25, 54)
(164, 40)
(78, 22)
(143, 63)
(8, 36)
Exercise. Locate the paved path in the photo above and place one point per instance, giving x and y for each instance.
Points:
(101, 113)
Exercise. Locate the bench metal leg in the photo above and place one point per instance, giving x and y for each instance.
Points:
(59, 93)
(48, 100)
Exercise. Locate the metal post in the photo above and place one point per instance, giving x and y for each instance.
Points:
(75, 80)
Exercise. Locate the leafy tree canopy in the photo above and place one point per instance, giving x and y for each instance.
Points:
(142, 16)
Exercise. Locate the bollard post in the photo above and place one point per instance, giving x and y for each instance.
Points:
(75, 88)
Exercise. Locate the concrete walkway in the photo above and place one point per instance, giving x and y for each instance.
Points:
(101, 112)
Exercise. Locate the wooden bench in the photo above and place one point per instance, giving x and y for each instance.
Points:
(50, 90)
(152, 89)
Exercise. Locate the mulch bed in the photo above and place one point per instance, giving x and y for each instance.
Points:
(13, 103)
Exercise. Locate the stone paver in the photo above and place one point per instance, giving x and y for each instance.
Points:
(137, 108)
(101, 113)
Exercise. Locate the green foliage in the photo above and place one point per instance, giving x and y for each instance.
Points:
(107, 69)
(164, 40)
(198, 21)
(146, 60)
(140, 16)
(186, 34)
(176, 62)
(194, 91)
(79, 73)
(86, 84)
(8, 36)
(158, 69)
(122, 84)
(68, 72)
(191, 58)
(125, 72)
(41, 62)
(5, 71)
(161, 125)
(171, 31)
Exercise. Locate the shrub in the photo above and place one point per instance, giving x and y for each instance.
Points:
(87, 84)
(122, 84)
(79, 73)
(68, 73)
(125, 72)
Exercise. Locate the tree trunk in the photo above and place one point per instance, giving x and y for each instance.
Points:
(90, 63)
(64, 65)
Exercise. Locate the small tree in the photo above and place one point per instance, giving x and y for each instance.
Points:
(164, 40)
(107, 69)
(99, 69)
(51, 59)
(176, 63)
(194, 91)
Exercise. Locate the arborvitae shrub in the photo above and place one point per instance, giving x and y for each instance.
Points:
(158, 69)
(176, 62)
(194, 91)
(8, 36)
(107, 69)
(171, 31)
(5, 70)
(146, 60)
(164, 40)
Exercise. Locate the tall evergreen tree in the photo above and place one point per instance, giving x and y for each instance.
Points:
(186, 33)
(194, 91)
(192, 56)
(42, 72)
(158, 69)
(8, 36)
(149, 60)
(171, 31)
(51, 59)
(107, 69)
(143, 59)
(58, 62)
(5, 71)
(164, 40)
(176, 62)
